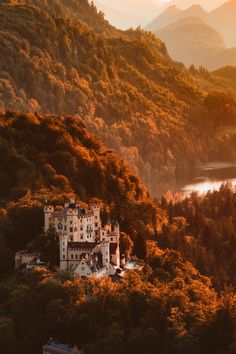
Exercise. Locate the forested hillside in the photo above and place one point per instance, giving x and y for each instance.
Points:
(123, 84)
(168, 309)
(55, 158)
(202, 229)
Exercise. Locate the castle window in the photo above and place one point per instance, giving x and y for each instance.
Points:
(76, 256)
(72, 256)
(81, 236)
(96, 217)
(81, 228)
(65, 227)
(103, 239)
(63, 249)
(71, 222)
(111, 238)
(71, 229)
(64, 257)
(96, 224)
(71, 237)
(82, 268)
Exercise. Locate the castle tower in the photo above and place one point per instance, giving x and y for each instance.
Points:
(63, 240)
(97, 218)
(72, 223)
(105, 250)
(48, 211)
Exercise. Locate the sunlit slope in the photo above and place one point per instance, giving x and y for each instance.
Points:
(126, 87)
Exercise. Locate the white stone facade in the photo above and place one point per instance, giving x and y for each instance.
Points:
(83, 239)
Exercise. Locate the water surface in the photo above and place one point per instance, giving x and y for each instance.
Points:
(209, 176)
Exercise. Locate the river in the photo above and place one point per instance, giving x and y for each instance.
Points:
(209, 176)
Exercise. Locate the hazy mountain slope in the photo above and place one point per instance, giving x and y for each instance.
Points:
(192, 41)
(172, 14)
(224, 20)
(221, 18)
(118, 18)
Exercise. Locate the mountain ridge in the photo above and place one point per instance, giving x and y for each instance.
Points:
(191, 41)
(221, 18)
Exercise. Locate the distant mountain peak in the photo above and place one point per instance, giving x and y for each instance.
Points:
(171, 10)
(196, 8)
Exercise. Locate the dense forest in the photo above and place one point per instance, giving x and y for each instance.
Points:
(181, 301)
(62, 57)
(168, 309)
(203, 229)
(55, 158)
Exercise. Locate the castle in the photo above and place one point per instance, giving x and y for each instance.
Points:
(86, 246)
